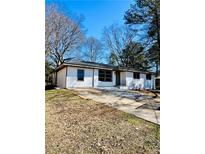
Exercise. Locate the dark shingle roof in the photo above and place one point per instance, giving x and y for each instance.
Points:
(87, 64)
(90, 64)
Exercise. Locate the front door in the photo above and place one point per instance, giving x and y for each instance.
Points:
(117, 78)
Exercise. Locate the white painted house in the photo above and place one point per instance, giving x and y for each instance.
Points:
(90, 74)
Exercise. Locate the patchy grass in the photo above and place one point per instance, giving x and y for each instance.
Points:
(153, 128)
(76, 125)
(155, 96)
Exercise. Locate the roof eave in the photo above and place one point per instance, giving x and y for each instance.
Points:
(114, 68)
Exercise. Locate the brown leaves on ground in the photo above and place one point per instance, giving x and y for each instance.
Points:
(76, 125)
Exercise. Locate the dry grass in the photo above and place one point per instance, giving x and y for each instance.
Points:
(75, 125)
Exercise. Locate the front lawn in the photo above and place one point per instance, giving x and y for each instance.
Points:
(76, 125)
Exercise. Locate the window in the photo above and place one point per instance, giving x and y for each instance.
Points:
(80, 75)
(105, 75)
(136, 75)
(148, 76)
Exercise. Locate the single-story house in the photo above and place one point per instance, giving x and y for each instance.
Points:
(76, 73)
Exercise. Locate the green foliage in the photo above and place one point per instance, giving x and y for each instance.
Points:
(153, 56)
(134, 57)
(146, 13)
(48, 71)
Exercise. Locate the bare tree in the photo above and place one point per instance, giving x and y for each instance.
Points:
(116, 38)
(62, 35)
(92, 50)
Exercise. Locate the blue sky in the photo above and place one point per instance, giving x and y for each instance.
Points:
(97, 13)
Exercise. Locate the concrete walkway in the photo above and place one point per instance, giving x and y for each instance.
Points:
(142, 105)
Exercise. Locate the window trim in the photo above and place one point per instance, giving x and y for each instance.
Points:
(105, 76)
(83, 74)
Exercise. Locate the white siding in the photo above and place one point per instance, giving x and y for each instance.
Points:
(149, 84)
(61, 78)
(96, 77)
(129, 78)
(141, 83)
(126, 79)
(107, 84)
(88, 78)
(123, 78)
(113, 78)
(72, 80)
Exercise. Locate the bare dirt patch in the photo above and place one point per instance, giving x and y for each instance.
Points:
(76, 125)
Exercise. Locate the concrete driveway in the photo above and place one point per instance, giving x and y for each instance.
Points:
(141, 104)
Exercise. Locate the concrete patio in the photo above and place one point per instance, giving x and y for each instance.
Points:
(141, 104)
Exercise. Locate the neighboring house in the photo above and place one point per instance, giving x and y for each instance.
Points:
(90, 74)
